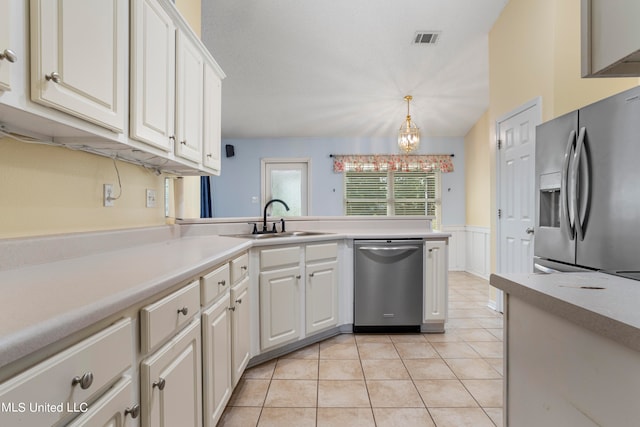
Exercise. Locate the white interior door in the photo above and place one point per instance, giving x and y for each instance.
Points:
(288, 180)
(516, 190)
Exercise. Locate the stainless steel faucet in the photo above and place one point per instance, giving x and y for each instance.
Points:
(264, 218)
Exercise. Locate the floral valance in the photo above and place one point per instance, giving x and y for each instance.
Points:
(392, 162)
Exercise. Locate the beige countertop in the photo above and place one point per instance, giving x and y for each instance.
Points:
(49, 301)
(602, 303)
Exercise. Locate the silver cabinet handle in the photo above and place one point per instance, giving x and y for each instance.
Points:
(183, 142)
(222, 282)
(9, 55)
(239, 300)
(160, 384)
(209, 155)
(243, 267)
(54, 77)
(85, 380)
(298, 276)
(183, 311)
(173, 138)
(134, 411)
(232, 309)
(529, 230)
(312, 274)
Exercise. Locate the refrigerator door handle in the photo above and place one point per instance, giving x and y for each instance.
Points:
(566, 209)
(583, 181)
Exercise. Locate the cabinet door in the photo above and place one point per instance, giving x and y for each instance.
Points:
(216, 355)
(189, 74)
(321, 296)
(171, 382)
(212, 119)
(240, 329)
(115, 409)
(79, 58)
(435, 283)
(7, 50)
(279, 302)
(153, 75)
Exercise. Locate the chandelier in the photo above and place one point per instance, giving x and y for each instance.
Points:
(409, 134)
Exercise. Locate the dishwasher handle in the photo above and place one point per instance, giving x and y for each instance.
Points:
(389, 251)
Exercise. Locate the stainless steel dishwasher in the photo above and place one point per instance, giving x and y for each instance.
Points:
(388, 285)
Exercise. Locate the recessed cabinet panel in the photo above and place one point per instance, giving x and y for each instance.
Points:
(212, 120)
(240, 329)
(190, 81)
(435, 291)
(6, 44)
(277, 257)
(279, 306)
(153, 74)
(214, 284)
(321, 296)
(239, 268)
(216, 360)
(79, 51)
(171, 382)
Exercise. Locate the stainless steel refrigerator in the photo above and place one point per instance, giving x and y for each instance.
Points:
(588, 188)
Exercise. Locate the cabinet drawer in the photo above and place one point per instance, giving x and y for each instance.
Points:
(110, 409)
(239, 268)
(161, 319)
(279, 257)
(214, 283)
(103, 357)
(321, 252)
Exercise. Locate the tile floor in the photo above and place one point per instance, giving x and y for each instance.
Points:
(444, 380)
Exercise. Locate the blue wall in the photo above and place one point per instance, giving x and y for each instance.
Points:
(240, 177)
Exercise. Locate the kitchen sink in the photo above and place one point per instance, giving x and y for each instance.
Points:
(260, 236)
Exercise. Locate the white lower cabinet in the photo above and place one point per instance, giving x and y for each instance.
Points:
(68, 380)
(279, 306)
(171, 382)
(216, 359)
(114, 409)
(321, 290)
(435, 283)
(240, 328)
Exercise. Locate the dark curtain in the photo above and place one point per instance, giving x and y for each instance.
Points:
(206, 210)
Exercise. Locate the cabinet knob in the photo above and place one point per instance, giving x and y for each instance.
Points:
(183, 142)
(134, 411)
(239, 300)
(183, 311)
(312, 274)
(160, 384)
(54, 77)
(232, 309)
(85, 380)
(243, 267)
(209, 155)
(9, 55)
(173, 138)
(298, 276)
(222, 282)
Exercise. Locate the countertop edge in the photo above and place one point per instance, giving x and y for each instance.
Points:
(620, 332)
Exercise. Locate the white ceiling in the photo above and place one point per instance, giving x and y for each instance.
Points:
(341, 68)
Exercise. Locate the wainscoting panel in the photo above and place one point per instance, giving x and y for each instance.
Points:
(457, 246)
(478, 248)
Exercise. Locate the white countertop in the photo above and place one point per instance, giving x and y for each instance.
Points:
(47, 302)
(611, 311)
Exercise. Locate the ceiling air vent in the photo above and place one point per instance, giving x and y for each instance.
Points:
(426, 37)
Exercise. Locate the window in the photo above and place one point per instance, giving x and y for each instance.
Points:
(393, 193)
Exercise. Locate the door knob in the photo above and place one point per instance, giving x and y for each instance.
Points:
(529, 230)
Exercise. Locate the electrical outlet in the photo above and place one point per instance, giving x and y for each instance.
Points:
(151, 198)
(107, 195)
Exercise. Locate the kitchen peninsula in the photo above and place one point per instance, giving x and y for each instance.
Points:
(572, 349)
(162, 296)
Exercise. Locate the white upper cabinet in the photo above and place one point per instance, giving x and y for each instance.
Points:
(610, 38)
(212, 120)
(153, 75)
(79, 58)
(189, 104)
(7, 50)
